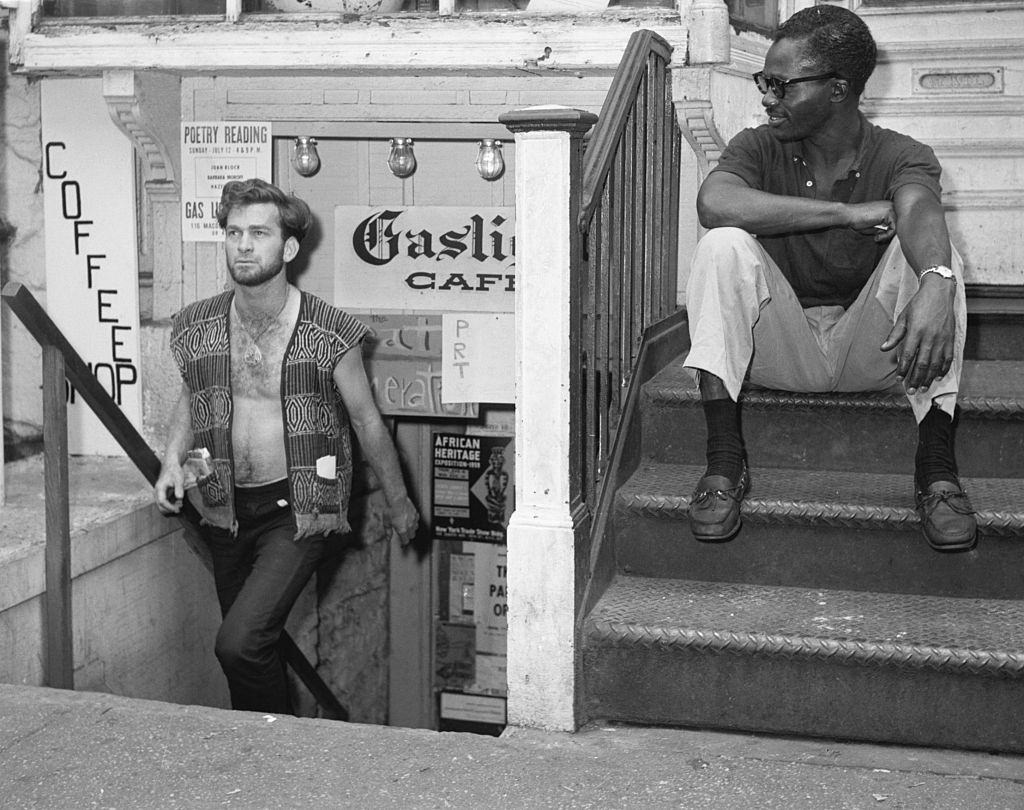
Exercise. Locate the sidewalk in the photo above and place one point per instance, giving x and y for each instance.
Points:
(73, 750)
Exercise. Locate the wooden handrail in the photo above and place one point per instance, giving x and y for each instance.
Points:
(615, 116)
(61, 361)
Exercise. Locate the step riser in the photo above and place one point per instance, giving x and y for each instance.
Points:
(880, 560)
(994, 338)
(656, 684)
(880, 442)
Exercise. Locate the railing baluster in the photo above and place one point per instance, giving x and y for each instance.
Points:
(59, 671)
(655, 210)
(674, 141)
(629, 209)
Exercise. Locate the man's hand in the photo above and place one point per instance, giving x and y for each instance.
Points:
(925, 332)
(170, 488)
(403, 518)
(872, 218)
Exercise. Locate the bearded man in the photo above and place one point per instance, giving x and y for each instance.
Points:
(260, 440)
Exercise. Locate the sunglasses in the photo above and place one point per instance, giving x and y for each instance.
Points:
(778, 86)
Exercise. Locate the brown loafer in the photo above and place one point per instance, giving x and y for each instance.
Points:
(947, 517)
(715, 507)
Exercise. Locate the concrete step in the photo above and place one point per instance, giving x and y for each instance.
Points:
(821, 529)
(869, 432)
(901, 668)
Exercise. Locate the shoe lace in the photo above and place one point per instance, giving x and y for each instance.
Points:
(702, 496)
(957, 500)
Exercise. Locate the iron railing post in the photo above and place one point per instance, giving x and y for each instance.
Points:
(59, 668)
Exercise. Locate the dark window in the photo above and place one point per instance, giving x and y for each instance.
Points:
(754, 15)
(129, 8)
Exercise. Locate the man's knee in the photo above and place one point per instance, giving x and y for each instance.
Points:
(236, 648)
(729, 260)
(730, 250)
(726, 239)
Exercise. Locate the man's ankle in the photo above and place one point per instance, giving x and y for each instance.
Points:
(725, 443)
(935, 459)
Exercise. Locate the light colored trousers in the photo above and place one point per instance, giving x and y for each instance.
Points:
(746, 323)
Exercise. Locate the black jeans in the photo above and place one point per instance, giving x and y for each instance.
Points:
(259, 574)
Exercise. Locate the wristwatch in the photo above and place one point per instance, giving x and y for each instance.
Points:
(938, 269)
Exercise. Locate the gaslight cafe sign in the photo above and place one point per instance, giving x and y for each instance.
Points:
(92, 285)
(426, 259)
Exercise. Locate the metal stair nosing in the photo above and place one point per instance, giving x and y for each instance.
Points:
(809, 648)
(669, 393)
(815, 512)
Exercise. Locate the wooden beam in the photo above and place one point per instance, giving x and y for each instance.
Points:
(59, 670)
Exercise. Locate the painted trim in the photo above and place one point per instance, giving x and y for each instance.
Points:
(540, 45)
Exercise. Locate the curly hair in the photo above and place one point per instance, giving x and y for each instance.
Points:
(294, 214)
(834, 40)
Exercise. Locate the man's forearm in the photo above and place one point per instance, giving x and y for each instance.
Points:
(380, 451)
(764, 214)
(924, 237)
(179, 439)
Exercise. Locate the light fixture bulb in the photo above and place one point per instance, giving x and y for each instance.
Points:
(489, 161)
(305, 158)
(401, 161)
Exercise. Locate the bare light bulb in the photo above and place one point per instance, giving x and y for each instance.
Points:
(305, 158)
(489, 161)
(401, 161)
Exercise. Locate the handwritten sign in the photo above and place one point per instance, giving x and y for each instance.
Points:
(212, 154)
(92, 284)
(478, 357)
(428, 259)
(402, 354)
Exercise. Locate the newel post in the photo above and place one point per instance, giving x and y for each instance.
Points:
(550, 517)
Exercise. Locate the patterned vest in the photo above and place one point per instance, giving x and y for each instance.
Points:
(316, 423)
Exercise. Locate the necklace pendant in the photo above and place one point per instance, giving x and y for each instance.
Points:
(253, 356)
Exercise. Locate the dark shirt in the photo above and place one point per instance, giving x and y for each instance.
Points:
(829, 266)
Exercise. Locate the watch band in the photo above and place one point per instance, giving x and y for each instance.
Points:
(938, 269)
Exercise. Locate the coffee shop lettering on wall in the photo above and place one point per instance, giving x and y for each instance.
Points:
(91, 260)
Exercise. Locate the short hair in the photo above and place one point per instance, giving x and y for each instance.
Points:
(836, 40)
(296, 218)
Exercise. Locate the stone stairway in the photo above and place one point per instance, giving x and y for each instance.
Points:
(828, 615)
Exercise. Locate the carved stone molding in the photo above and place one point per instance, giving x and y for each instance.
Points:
(902, 107)
(122, 91)
(872, 7)
(692, 94)
(960, 51)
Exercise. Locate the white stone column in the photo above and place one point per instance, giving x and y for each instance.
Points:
(544, 531)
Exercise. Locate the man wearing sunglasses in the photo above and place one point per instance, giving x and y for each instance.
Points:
(827, 267)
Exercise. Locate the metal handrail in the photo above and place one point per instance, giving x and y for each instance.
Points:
(629, 205)
(60, 362)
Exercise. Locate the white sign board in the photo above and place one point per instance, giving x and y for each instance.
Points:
(490, 578)
(92, 284)
(478, 357)
(425, 259)
(212, 154)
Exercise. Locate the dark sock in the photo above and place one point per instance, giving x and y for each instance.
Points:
(935, 460)
(725, 445)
